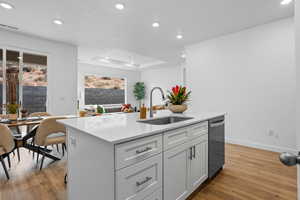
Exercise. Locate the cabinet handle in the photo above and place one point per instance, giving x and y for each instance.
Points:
(144, 181)
(143, 150)
(191, 153)
(194, 153)
(216, 124)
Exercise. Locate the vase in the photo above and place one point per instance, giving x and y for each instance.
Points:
(13, 117)
(177, 108)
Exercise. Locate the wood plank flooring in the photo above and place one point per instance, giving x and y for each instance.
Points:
(249, 174)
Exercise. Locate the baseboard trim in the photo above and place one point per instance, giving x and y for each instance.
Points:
(261, 146)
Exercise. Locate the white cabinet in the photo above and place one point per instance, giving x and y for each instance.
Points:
(199, 162)
(175, 161)
(197, 130)
(155, 196)
(175, 137)
(136, 151)
(176, 171)
(139, 180)
(186, 167)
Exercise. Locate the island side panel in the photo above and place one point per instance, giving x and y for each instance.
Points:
(90, 167)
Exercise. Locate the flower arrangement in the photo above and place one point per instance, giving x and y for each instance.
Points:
(179, 95)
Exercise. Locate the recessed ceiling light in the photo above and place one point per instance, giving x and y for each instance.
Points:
(58, 22)
(120, 6)
(286, 2)
(179, 36)
(183, 55)
(105, 60)
(155, 24)
(129, 64)
(6, 5)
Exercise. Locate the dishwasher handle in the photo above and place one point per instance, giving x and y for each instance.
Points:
(217, 124)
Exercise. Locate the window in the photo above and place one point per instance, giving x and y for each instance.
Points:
(25, 80)
(104, 90)
(34, 82)
(12, 76)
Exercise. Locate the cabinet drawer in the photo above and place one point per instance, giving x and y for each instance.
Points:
(175, 137)
(138, 150)
(155, 196)
(197, 130)
(139, 180)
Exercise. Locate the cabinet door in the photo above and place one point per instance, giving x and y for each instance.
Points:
(176, 173)
(155, 196)
(138, 181)
(199, 163)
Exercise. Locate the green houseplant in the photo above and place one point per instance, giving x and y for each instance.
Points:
(177, 99)
(139, 91)
(12, 110)
(100, 109)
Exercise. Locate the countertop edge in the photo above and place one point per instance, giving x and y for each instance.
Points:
(146, 134)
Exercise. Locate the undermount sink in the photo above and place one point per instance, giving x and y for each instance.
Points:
(164, 120)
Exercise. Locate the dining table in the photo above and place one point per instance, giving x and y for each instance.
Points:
(22, 138)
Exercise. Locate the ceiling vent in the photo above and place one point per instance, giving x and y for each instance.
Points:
(13, 28)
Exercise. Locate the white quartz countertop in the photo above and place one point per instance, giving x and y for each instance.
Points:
(121, 127)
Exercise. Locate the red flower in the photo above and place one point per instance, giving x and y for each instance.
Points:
(177, 89)
(173, 90)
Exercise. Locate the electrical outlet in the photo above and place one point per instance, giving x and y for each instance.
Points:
(73, 141)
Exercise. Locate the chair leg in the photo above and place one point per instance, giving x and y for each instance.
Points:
(18, 153)
(4, 167)
(37, 156)
(32, 143)
(8, 160)
(63, 149)
(57, 148)
(43, 158)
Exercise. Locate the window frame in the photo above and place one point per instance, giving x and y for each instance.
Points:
(105, 105)
(21, 51)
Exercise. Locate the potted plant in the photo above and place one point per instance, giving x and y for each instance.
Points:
(177, 99)
(139, 92)
(12, 110)
(100, 109)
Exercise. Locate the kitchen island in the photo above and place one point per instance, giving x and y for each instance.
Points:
(119, 157)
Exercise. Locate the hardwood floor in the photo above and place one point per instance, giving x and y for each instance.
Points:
(248, 174)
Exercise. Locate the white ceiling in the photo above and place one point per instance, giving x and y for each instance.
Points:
(96, 26)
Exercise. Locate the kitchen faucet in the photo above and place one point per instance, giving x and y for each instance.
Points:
(151, 94)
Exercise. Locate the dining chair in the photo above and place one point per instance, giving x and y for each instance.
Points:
(29, 128)
(49, 132)
(45, 114)
(7, 145)
(15, 135)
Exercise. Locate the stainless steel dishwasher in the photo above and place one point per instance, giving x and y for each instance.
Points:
(216, 145)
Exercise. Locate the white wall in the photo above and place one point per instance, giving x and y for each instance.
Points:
(297, 34)
(250, 75)
(62, 68)
(165, 77)
(87, 69)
